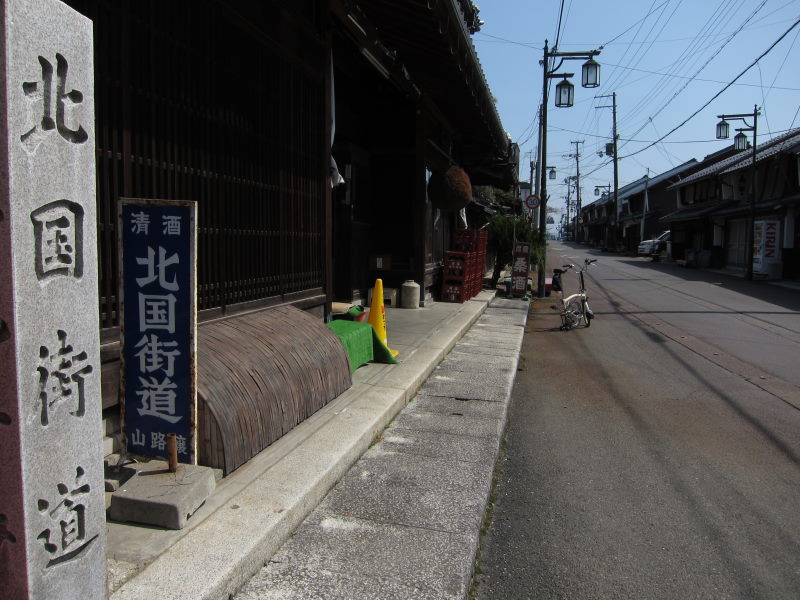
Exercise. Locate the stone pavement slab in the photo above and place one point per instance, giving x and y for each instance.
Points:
(438, 444)
(457, 407)
(369, 550)
(381, 467)
(465, 385)
(475, 363)
(401, 503)
(474, 347)
(452, 424)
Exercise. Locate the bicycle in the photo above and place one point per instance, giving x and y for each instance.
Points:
(574, 308)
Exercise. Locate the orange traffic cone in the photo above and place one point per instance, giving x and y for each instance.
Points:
(377, 315)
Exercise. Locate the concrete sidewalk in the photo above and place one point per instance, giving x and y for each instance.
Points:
(255, 510)
(405, 521)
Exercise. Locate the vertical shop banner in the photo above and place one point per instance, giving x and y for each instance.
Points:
(520, 269)
(158, 325)
(766, 245)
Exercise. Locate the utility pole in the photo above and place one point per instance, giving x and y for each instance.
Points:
(564, 97)
(577, 156)
(613, 108)
(644, 203)
(540, 268)
(540, 164)
(531, 188)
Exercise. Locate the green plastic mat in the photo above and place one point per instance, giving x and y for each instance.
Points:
(357, 341)
(381, 353)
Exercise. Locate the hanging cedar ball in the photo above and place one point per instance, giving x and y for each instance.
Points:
(450, 189)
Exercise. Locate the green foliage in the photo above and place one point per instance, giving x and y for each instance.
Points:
(494, 195)
(502, 230)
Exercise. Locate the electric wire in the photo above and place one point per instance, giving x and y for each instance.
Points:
(685, 60)
(774, 79)
(642, 51)
(659, 92)
(720, 92)
(795, 117)
(625, 53)
(675, 64)
(558, 29)
(705, 64)
(789, 89)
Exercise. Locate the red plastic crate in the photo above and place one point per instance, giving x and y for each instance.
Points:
(470, 240)
(455, 265)
(453, 291)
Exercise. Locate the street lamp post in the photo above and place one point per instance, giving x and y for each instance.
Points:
(597, 189)
(565, 94)
(740, 143)
(605, 189)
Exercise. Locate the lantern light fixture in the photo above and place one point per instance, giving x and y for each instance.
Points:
(723, 130)
(565, 94)
(740, 141)
(590, 74)
(597, 188)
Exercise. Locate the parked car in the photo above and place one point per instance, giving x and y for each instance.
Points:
(648, 247)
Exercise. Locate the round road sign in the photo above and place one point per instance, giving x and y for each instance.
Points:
(532, 201)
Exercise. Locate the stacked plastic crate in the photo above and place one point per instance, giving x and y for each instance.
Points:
(462, 276)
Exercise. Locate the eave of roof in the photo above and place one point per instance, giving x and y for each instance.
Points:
(744, 159)
(691, 213)
(433, 42)
(639, 185)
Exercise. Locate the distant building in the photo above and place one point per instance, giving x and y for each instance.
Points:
(709, 227)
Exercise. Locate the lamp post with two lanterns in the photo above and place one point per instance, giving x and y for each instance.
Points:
(564, 97)
(604, 189)
(597, 189)
(740, 143)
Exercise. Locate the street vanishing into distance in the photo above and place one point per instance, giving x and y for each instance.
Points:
(655, 454)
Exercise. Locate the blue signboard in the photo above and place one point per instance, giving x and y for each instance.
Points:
(157, 325)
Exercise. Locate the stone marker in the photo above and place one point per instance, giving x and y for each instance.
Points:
(157, 497)
(52, 521)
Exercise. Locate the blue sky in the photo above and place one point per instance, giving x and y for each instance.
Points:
(665, 59)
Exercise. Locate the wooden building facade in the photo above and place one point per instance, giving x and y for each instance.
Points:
(241, 105)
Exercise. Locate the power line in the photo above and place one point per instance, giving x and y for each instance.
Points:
(662, 73)
(705, 64)
(643, 51)
(625, 53)
(650, 12)
(719, 93)
(688, 58)
(558, 29)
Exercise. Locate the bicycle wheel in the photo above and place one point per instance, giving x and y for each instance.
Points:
(573, 313)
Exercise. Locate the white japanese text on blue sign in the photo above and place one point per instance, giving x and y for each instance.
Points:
(158, 318)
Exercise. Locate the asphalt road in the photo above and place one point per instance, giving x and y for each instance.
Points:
(655, 454)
